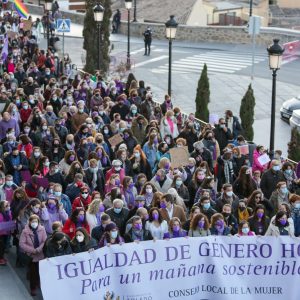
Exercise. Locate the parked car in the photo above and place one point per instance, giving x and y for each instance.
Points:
(295, 119)
(288, 107)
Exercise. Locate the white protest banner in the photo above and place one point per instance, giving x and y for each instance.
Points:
(213, 268)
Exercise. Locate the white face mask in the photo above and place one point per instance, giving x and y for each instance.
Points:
(80, 238)
(34, 225)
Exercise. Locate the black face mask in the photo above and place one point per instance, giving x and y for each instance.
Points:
(225, 214)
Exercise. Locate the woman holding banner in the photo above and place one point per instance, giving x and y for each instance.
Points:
(280, 226)
(175, 229)
(111, 236)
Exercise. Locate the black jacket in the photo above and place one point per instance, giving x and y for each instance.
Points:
(120, 219)
(82, 247)
(100, 180)
(204, 156)
(222, 137)
(97, 233)
(269, 181)
(146, 236)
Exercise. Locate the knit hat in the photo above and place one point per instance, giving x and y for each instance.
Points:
(111, 226)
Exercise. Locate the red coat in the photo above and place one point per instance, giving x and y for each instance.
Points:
(112, 171)
(79, 202)
(24, 114)
(70, 228)
(27, 148)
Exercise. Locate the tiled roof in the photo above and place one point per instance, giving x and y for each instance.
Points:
(159, 10)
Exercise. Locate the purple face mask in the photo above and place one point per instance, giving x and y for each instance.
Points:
(131, 185)
(176, 228)
(282, 222)
(260, 215)
(72, 158)
(201, 224)
(163, 205)
(157, 177)
(117, 181)
(167, 166)
(80, 218)
(51, 205)
(138, 226)
(155, 216)
(101, 208)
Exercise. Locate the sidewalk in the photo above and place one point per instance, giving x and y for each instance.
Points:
(11, 287)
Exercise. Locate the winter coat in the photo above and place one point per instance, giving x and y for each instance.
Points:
(269, 182)
(146, 236)
(165, 187)
(70, 228)
(112, 171)
(165, 128)
(139, 131)
(273, 230)
(222, 137)
(50, 217)
(27, 242)
(120, 219)
(82, 247)
(81, 202)
(256, 166)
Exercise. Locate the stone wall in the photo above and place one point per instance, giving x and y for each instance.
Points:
(220, 34)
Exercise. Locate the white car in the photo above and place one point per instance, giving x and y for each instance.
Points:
(295, 119)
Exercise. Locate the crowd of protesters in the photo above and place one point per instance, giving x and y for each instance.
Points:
(69, 187)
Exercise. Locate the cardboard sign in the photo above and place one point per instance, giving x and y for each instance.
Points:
(244, 149)
(27, 25)
(264, 159)
(11, 34)
(213, 119)
(115, 140)
(179, 157)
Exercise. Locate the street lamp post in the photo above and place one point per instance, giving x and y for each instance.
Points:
(134, 11)
(275, 58)
(171, 28)
(48, 6)
(128, 5)
(98, 17)
(251, 8)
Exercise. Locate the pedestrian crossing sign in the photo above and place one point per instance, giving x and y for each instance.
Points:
(63, 25)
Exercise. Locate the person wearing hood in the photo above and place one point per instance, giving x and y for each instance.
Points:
(83, 200)
(58, 244)
(201, 153)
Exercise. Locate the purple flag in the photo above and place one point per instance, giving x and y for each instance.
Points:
(4, 52)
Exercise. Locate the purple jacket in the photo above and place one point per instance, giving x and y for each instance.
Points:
(11, 123)
(27, 239)
(50, 217)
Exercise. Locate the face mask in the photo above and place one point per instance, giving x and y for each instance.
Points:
(117, 181)
(25, 107)
(131, 185)
(163, 205)
(34, 225)
(9, 183)
(206, 206)
(288, 172)
(201, 177)
(276, 168)
(149, 190)
(245, 230)
(157, 177)
(282, 221)
(117, 168)
(35, 210)
(101, 208)
(80, 238)
(44, 128)
(26, 130)
(51, 205)
(137, 155)
(229, 194)
(178, 183)
(226, 214)
(36, 154)
(138, 226)
(84, 195)
(222, 126)
(80, 110)
(106, 131)
(201, 224)
(134, 111)
(117, 210)
(57, 194)
(114, 234)
(46, 164)
(242, 208)
(284, 190)
(80, 218)
(176, 228)
(155, 216)
(260, 215)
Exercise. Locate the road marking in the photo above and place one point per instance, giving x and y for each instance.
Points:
(151, 61)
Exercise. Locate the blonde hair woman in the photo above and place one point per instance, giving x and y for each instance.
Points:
(95, 210)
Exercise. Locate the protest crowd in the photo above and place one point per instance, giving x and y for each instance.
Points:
(87, 163)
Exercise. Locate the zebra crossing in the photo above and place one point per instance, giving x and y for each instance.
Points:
(227, 62)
